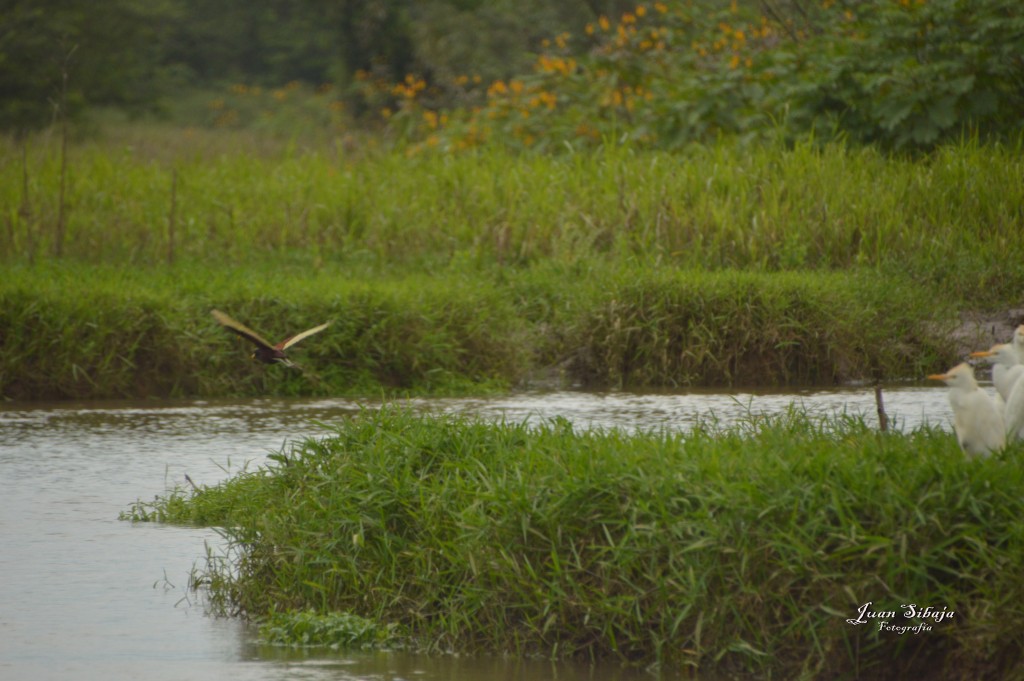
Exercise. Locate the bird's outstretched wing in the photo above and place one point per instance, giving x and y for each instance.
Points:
(292, 340)
(241, 329)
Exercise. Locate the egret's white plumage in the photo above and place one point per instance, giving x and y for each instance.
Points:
(978, 423)
(1006, 367)
(1018, 343)
(1013, 412)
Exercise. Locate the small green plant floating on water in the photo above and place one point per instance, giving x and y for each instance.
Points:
(338, 630)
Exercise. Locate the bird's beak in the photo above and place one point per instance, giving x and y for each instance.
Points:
(938, 377)
(981, 353)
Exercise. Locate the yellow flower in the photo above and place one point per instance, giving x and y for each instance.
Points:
(603, 22)
(661, 7)
(641, 10)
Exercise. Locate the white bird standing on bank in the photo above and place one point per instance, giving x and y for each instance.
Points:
(1013, 413)
(1006, 367)
(1018, 343)
(978, 423)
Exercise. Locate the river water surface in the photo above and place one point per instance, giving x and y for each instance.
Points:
(85, 596)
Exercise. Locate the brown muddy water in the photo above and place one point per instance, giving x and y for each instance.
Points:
(85, 596)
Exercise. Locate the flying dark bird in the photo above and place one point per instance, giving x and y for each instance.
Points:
(266, 352)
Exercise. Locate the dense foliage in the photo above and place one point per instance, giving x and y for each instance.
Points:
(900, 74)
(452, 74)
(57, 57)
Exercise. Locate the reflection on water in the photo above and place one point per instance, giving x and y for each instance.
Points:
(85, 596)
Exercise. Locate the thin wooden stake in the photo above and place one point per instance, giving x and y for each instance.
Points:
(883, 418)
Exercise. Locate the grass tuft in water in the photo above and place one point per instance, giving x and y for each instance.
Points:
(723, 550)
(333, 630)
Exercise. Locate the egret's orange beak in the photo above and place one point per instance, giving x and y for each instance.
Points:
(937, 377)
(982, 353)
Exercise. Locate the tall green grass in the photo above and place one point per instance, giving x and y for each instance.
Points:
(744, 328)
(125, 333)
(77, 331)
(726, 264)
(719, 551)
(954, 217)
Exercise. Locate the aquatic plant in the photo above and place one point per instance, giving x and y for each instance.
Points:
(751, 548)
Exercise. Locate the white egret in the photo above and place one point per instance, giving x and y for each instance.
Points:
(978, 423)
(1018, 343)
(1013, 412)
(1006, 367)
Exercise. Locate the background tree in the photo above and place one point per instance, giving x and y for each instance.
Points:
(111, 51)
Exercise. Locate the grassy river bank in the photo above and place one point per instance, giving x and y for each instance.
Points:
(729, 264)
(131, 333)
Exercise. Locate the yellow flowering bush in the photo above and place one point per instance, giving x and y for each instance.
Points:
(903, 73)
